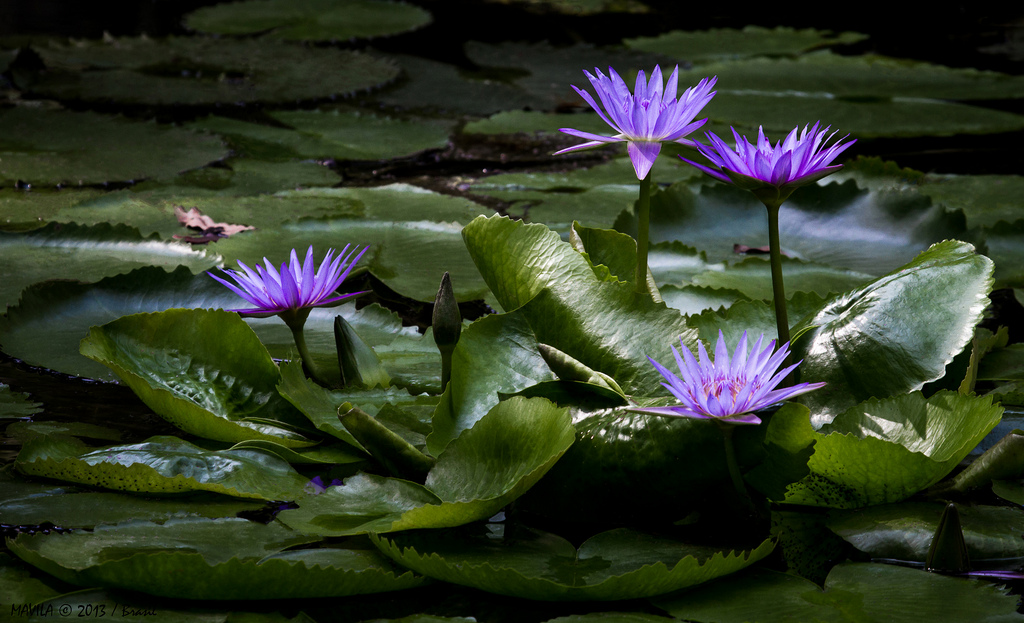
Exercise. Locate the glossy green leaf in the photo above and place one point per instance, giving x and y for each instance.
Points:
(840, 225)
(904, 531)
(309, 20)
(496, 354)
(31, 503)
(20, 586)
(572, 305)
(752, 277)
(198, 70)
(87, 254)
(896, 333)
(205, 371)
(50, 147)
(519, 561)
(163, 465)
(210, 559)
(487, 467)
(852, 592)
(882, 450)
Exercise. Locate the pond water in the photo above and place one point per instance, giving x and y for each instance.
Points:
(451, 114)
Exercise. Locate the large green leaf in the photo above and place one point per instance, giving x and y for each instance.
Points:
(496, 354)
(61, 147)
(572, 305)
(86, 254)
(197, 70)
(904, 531)
(211, 559)
(487, 467)
(348, 135)
(205, 371)
(163, 465)
(896, 333)
(865, 76)
(317, 20)
(519, 561)
(883, 450)
(31, 503)
(52, 318)
(840, 225)
(852, 592)
(729, 43)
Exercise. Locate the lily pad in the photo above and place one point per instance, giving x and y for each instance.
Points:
(904, 531)
(573, 306)
(883, 450)
(521, 562)
(87, 254)
(342, 135)
(212, 559)
(718, 44)
(840, 225)
(197, 71)
(32, 503)
(204, 371)
(16, 405)
(853, 591)
(51, 147)
(46, 328)
(487, 467)
(309, 20)
(163, 465)
(896, 333)
(865, 76)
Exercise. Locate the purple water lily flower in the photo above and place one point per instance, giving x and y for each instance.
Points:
(296, 287)
(728, 389)
(645, 118)
(773, 173)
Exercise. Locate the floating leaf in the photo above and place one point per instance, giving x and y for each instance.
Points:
(518, 561)
(729, 43)
(852, 592)
(597, 320)
(487, 467)
(163, 465)
(87, 254)
(883, 450)
(840, 225)
(904, 531)
(309, 20)
(15, 405)
(204, 371)
(210, 559)
(68, 507)
(341, 135)
(51, 147)
(896, 333)
(196, 71)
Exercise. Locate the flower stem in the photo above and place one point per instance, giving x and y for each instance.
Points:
(734, 468)
(296, 323)
(778, 289)
(643, 210)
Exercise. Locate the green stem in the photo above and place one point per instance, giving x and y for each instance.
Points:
(296, 322)
(734, 468)
(446, 365)
(778, 289)
(643, 210)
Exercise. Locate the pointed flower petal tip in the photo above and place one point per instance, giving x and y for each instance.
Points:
(296, 286)
(727, 388)
(646, 117)
(774, 172)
